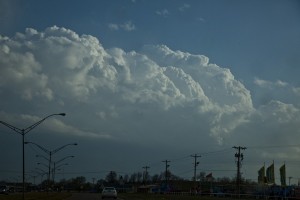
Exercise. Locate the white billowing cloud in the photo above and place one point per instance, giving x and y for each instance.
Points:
(277, 114)
(73, 64)
(127, 26)
(19, 69)
(296, 91)
(270, 133)
(267, 91)
(275, 122)
(216, 87)
(218, 83)
(67, 69)
(269, 84)
(154, 97)
(276, 125)
(157, 95)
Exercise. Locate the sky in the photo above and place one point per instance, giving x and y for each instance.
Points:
(143, 81)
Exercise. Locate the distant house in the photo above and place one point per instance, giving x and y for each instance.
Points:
(149, 189)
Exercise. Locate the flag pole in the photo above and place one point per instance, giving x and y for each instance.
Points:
(273, 173)
(264, 179)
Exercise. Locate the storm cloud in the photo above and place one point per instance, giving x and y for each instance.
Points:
(153, 97)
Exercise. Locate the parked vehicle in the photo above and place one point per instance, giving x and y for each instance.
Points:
(4, 189)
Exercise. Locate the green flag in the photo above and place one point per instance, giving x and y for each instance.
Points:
(261, 175)
(271, 174)
(282, 175)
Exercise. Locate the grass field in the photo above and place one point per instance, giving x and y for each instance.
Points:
(124, 196)
(36, 196)
(165, 197)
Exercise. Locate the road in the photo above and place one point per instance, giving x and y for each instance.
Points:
(85, 196)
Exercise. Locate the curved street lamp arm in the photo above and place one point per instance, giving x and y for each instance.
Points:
(56, 168)
(26, 130)
(64, 159)
(23, 132)
(42, 164)
(43, 157)
(60, 148)
(20, 131)
(39, 146)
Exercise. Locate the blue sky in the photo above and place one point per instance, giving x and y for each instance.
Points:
(155, 78)
(241, 35)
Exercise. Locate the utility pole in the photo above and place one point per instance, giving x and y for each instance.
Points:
(145, 177)
(195, 167)
(240, 157)
(166, 171)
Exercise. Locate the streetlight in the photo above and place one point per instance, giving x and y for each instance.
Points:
(50, 153)
(57, 168)
(57, 162)
(43, 164)
(41, 173)
(43, 157)
(23, 132)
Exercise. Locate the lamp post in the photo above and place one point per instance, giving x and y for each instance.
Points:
(41, 172)
(23, 132)
(57, 168)
(57, 162)
(50, 153)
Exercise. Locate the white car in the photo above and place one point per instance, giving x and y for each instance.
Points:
(109, 192)
(4, 189)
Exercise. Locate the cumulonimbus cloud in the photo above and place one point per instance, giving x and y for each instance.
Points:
(152, 95)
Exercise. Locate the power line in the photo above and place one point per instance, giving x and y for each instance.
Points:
(273, 146)
(216, 152)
